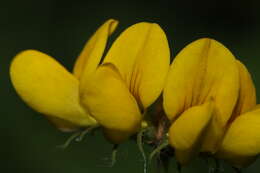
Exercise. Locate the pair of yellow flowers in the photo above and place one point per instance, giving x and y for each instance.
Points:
(208, 95)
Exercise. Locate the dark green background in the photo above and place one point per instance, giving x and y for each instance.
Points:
(60, 28)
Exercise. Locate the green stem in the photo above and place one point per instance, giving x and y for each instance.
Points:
(214, 165)
(84, 132)
(69, 140)
(140, 146)
(219, 167)
(158, 149)
(114, 153)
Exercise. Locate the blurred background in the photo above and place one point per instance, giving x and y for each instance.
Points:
(60, 28)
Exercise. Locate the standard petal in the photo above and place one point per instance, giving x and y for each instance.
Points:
(48, 88)
(109, 101)
(203, 69)
(247, 94)
(91, 54)
(242, 139)
(141, 54)
(186, 132)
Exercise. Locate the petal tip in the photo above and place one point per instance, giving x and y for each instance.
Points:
(22, 57)
(112, 25)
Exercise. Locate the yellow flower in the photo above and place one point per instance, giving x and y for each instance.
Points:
(113, 94)
(130, 79)
(200, 94)
(50, 89)
(241, 143)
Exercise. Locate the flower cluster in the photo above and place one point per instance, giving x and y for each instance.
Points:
(208, 102)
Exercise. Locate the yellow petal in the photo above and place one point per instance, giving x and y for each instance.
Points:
(109, 101)
(243, 137)
(246, 101)
(185, 133)
(247, 95)
(91, 54)
(203, 69)
(141, 54)
(48, 88)
(241, 143)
